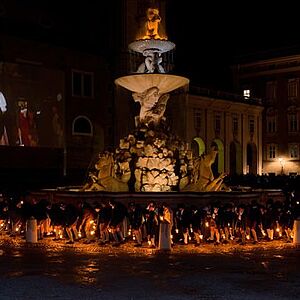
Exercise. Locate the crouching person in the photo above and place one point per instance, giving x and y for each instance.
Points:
(135, 217)
(118, 214)
(71, 216)
(103, 217)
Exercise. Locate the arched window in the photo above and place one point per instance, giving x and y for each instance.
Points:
(82, 126)
(198, 146)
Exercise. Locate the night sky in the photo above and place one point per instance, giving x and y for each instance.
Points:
(211, 37)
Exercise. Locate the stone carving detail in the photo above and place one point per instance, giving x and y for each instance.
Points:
(152, 63)
(149, 160)
(152, 159)
(202, 178)
(108, 175)
(153, 106)
(152, 24)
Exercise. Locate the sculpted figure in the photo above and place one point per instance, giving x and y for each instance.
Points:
(152, 62)
(106, 179)
(202, 178)
(152, 24)
(153, 105)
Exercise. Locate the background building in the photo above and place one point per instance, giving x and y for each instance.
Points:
(276, 81)
(201, 117)
(57, 72)
(55, 78)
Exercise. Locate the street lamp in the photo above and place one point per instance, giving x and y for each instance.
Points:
(281, 161)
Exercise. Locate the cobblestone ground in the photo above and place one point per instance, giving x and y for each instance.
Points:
(54, 270)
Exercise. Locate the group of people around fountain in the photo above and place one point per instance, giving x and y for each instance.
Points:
(155, 225)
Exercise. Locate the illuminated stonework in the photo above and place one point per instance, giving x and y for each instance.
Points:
(152, 158)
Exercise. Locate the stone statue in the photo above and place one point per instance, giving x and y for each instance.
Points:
(153, 105)
(152, 62)
(105, 179)
(152, 24)
(202, 178)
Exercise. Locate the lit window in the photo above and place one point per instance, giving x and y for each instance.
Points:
(246, 93)
(82, 84)
(294, 151)
(271, 151)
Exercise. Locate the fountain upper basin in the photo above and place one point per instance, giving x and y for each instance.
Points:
(141, 82)
(145, 44)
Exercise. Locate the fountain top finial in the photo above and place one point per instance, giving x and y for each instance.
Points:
(151, 39)
(152, 24)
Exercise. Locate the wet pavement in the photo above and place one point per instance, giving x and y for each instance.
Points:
(54, 270)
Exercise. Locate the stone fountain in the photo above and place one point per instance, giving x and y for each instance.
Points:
(152, 162)
(152, 158)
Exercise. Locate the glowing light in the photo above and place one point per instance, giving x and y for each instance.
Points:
(206, 224)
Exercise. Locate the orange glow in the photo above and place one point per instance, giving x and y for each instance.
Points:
(152, 26)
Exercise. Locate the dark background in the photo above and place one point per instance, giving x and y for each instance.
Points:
(210, 37)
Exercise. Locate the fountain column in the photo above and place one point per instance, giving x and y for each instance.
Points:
(158, 153)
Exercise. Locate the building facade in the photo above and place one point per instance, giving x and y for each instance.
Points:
(276, 82)
(60, 107)
(228, 123)
(56, 66)
(56, 108)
